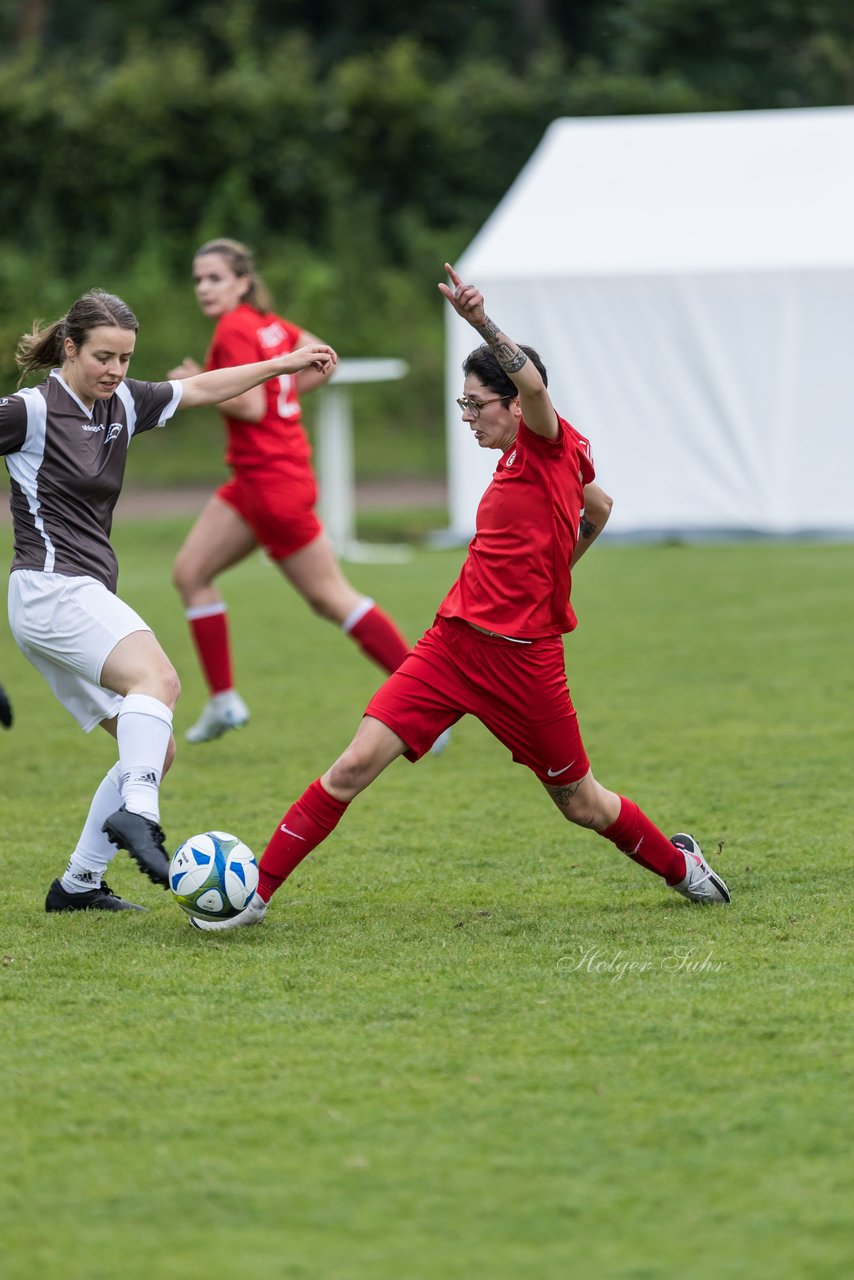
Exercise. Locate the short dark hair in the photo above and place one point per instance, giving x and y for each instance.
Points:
(484, 365)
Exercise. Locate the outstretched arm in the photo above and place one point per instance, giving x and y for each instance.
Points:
(597, 509)
(246, 408)
(218, 385)
(537, 408)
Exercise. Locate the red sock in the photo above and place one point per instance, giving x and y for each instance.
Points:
(378, 637)
(305, 825)
(634, 834)
(209, 629)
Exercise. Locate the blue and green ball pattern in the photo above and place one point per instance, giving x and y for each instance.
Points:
(213, 876)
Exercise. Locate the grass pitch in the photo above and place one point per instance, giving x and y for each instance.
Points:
(469, 1040)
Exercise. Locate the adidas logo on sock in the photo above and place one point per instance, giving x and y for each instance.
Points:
(85, 877)
(141, 777)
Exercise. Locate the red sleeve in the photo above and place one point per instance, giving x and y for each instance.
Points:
(585, 460)
(569, 439)
(234, 342)
(293, 331)
(581, 446)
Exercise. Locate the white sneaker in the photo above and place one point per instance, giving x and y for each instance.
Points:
(441, 742)
(253, 914)
(701, 883)
(224, 711)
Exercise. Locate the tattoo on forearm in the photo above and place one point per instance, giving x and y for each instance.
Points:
(511, 361)
(587, 528)
(488, 330)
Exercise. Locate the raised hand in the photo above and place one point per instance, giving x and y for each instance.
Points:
(466, 300)
(315, 355)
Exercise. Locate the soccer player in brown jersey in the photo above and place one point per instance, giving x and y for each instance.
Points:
(496, 649)
(65, 442)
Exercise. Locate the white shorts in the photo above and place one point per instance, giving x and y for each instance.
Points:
(67, 628)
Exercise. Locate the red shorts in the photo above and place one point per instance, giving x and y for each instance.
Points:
(279, 509)
(518, 691)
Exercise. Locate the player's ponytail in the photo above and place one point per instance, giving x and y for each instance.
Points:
(41, 348)
(44, 346)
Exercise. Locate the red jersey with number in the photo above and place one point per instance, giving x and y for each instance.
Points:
(278, 441)
(516, 578)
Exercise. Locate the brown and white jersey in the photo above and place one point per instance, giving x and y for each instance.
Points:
(67, 464)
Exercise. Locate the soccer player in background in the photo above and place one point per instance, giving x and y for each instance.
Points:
(495, 649)
(65, 443)
(270, 498)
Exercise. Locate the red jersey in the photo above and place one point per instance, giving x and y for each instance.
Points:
(278, 441)
(516, 578)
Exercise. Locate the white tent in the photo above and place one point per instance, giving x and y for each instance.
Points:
(689, 282)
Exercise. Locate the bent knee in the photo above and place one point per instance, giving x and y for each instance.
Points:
(350, 773)
(166, 685)
(185, 579)
(174, 686)
(347, 775)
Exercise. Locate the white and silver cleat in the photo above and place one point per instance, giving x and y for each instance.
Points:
(253, 914)
(224, 711)
(441, 742)
(701, 883)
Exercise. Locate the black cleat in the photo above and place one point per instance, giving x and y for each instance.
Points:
(143, 838)
(5, 709)
(100, 899)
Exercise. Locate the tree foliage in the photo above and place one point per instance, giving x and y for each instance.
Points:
(168, 119)
(354, 146)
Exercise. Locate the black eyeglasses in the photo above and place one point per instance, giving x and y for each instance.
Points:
(474, 406)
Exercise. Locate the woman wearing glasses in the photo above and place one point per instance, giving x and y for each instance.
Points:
(269, 500)
(496, 650)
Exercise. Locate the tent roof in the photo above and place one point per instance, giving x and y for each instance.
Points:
(729, 191)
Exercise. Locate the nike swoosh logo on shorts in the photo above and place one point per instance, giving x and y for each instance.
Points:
(554, 773)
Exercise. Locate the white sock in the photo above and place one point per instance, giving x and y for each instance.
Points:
(223, 698)
(357, 613)
(205, 610)
(94, 850)
(143, 730)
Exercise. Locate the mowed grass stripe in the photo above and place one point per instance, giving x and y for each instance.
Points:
(468, 1039)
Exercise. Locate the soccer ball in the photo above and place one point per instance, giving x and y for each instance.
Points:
(213, 875)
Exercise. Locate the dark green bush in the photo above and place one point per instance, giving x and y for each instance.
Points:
(127, 137)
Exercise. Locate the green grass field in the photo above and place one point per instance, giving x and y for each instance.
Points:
(469, 1040)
